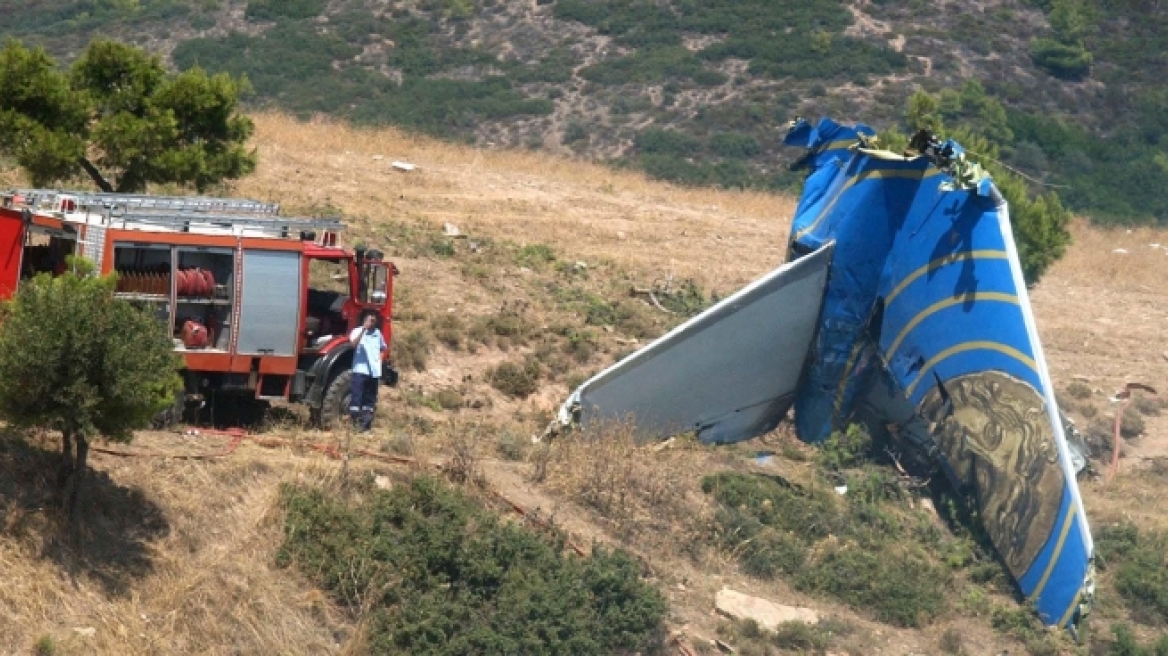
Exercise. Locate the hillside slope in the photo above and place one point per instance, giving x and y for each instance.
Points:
(690, 92)
(180, 554)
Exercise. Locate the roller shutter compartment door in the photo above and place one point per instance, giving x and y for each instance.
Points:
(270, 304)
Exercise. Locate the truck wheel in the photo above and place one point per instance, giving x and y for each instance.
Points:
(334, 410)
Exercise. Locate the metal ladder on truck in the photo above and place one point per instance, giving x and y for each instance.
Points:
(189, 214)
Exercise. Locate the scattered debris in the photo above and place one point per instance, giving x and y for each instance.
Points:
(767, 614)
(86, 631)
(665, 290)
(383, 482)
(378, 158)
(1121, 251)
(841, 490)
(667, 444)
(403, 166)
(451, 230)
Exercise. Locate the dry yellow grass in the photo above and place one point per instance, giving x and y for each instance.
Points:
(585, 211)
(172, 557)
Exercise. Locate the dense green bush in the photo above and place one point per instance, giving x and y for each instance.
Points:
(1140, 561)
(672, 142)
(275, 9)
(1071, 62)
(735, 144)
(74, 359)
(649, 65)
(440, 575)
(852, 550)
(293, 64)
(514, 379)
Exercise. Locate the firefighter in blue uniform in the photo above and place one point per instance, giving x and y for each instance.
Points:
(368, 344)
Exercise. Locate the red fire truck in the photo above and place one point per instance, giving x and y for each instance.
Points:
(259, 305)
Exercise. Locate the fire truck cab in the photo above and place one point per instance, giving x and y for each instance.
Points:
(260, 306)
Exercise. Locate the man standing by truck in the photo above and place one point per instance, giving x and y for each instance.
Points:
(368, 344)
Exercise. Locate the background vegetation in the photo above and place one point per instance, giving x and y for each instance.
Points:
(1075, 83)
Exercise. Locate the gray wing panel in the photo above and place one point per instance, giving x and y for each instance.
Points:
(729, 373)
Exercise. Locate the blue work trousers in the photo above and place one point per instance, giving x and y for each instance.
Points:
(363, 400)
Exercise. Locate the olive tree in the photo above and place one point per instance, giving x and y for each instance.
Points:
(77, 360)
(120, 118)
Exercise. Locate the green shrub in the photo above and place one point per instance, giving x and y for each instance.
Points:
(45, 646)
(735, 144)
(854, 552)
(1142, 576)
(902, 589)
(1126, 643)
(1067, 61)
(687, 300)
(1131, 424)
(440, 575)
(442, 247)
(574, 133)
(276, 9)
(518, 380)
(536, 256)
(1079, 391)
(845, 449)
(449, 399)
(673, 142)
(802, 636)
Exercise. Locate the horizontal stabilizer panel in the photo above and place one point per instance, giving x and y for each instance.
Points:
(729, 373)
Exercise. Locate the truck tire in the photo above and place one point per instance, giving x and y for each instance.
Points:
(334, 409)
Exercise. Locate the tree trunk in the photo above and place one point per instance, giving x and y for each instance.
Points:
(78, 475)
(132, 180)
(98, 178)
(72, 469)
(66, 466)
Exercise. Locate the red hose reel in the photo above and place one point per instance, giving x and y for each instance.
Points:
(195, 281)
